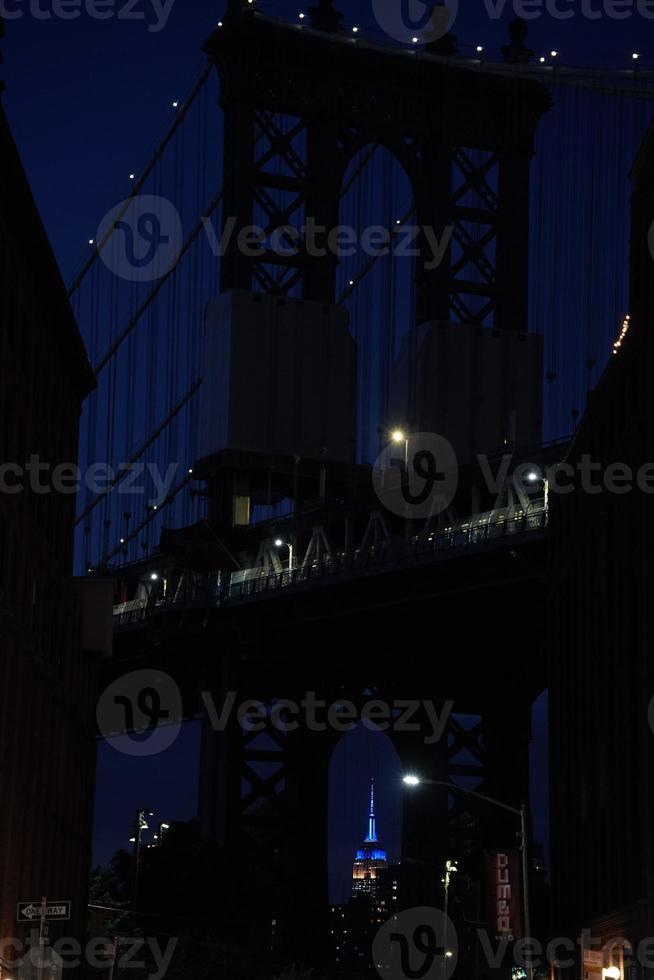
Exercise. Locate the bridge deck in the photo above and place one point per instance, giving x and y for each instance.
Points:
(483, 531)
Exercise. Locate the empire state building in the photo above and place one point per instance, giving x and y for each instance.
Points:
(370, 858)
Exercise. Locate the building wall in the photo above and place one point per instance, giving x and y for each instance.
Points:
(47, 683)
(600, 639)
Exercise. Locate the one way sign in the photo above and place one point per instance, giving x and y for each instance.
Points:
(31, 911)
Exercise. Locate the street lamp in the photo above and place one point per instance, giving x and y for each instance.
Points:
(450, 869)
(140, 824)
(280, 543)
(411, 779)
(534, 477)
(398, 436)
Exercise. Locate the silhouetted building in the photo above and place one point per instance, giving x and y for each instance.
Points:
(48, 646)
(602, 742)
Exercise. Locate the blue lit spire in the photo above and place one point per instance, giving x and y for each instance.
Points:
(370, 856)
(372, 822)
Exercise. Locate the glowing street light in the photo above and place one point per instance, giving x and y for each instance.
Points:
(280, 543)
(411, 780)
(399, 436)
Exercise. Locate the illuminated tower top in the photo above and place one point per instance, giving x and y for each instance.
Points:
(370, 857)
(372, 822)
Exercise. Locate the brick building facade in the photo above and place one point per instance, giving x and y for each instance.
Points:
(48, 668)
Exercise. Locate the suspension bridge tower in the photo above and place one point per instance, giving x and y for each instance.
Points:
(300, 102)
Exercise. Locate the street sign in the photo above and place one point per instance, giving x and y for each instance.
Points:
(31, 911)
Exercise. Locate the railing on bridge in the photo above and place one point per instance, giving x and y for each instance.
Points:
(459, 538)
(213, 590)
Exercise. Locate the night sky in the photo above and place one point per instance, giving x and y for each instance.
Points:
(87, 101)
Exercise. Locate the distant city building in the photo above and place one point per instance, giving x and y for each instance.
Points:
(370, 858)
(375, 888)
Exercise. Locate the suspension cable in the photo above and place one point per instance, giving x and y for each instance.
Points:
(134, 319)
(347, 292)
(146, 445)
(138, 185)
(151, 516)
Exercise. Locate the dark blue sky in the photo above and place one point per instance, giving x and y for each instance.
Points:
(88, 99)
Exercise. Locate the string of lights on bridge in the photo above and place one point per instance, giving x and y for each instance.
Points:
(624, 329)
(554, 54)
(415, 40)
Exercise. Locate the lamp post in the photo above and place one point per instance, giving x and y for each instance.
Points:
(413, 780)
(398, 436)
(279, 543)
(450, 869)
(140, 824)
(534, 477)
